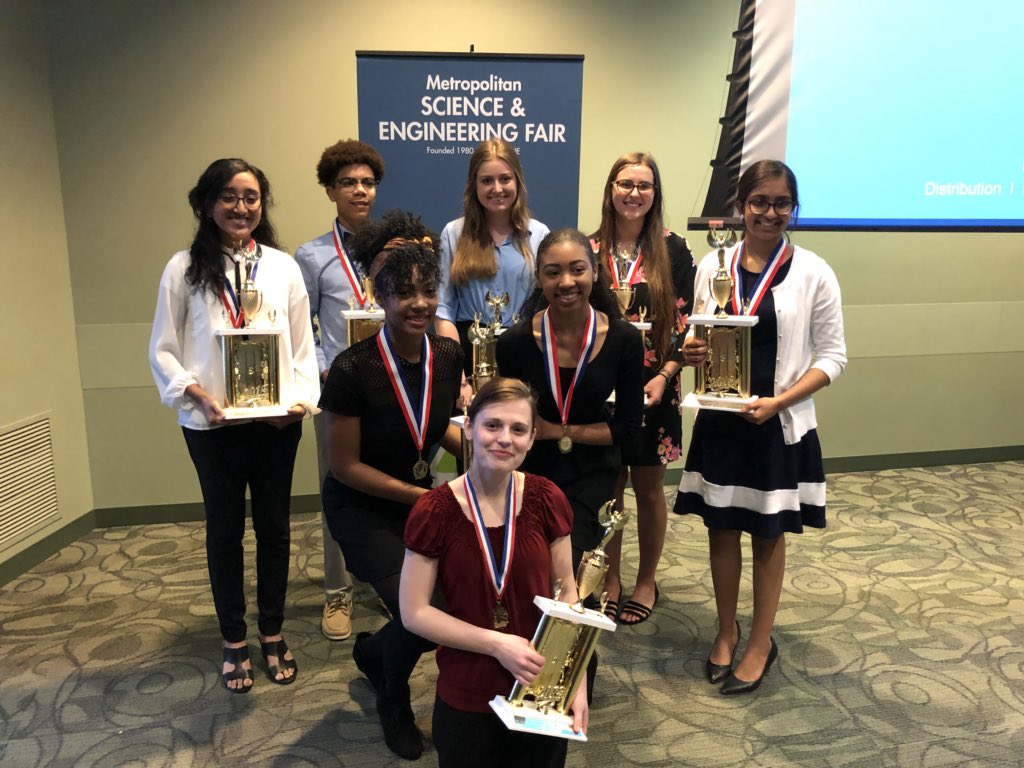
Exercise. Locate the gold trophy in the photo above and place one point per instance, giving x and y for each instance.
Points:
(723, 381)
(252, 379)
(363, 323)
(566, 636)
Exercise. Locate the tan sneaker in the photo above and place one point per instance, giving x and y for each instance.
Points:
(336, 623)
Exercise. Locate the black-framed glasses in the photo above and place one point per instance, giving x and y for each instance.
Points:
(230, 199)
(626, 186)
(350, 183)
(760, 205)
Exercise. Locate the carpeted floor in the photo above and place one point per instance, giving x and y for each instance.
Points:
(901, 636)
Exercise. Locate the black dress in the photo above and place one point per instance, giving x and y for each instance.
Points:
(662, 436)
(750, 464)
(370, 529)
(587, 473)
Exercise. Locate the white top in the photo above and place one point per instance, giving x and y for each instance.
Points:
(809, 314)
(184, 348)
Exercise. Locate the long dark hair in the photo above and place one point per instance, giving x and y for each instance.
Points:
(657, 270)
(206, 269)
(601, 297)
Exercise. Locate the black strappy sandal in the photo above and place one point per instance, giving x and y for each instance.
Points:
(279, 648)
(236, 656)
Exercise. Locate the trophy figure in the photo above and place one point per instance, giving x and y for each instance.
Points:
(566, 636)
(484, 338)
(722, 382)
(365, 322)
(622, 289)
(252, 382)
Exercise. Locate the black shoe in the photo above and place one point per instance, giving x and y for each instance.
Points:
(734, 685)
(400, 731)
(370, 668)
(716, 673)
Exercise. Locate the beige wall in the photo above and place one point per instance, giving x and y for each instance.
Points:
(147, 93)
(38, 356)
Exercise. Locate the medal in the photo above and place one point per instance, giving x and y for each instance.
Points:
(499, 578)
(346, 264)
(500, 615)
(749, 306)
(550, 350)
(415, 418)
(420, 469)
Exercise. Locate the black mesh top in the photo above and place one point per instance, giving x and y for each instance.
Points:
(358, 385)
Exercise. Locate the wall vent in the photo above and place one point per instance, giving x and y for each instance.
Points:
(28, 485)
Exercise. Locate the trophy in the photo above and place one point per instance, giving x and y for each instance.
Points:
(722, 382)
(252, 379)
(484, 338)
(363, 323)
(623, 291)
(566, 636)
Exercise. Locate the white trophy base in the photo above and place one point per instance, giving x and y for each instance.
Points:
(529, 720)
(711, 402)
(258, 412)
(362, 314)
(733, 320)
(560, 610)
(645, 326)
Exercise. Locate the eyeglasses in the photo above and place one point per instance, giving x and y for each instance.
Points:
(230, 199)
(760, 205)
(347, 182)
(626, 186)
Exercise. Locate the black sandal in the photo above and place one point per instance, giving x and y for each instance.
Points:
(638, 611)
(236, 656)
(278, 648)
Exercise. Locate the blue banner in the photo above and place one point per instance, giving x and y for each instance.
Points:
(426, 113)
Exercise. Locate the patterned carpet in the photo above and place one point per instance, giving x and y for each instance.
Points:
(901, 635)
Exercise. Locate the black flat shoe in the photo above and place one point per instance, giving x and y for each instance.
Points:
(237, 657)
(278, 648)
(634, 613)
(733, 685)
(399, 725)
(716, 673)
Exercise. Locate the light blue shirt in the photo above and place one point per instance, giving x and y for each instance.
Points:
(515, 275)
(329, 291)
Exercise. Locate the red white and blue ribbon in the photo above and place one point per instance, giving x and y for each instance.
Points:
(415, 418)
(549, 348)
(764, 280)
(236, 316)
(498, 571)
(347, 265)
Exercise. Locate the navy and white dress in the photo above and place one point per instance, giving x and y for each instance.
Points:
(767, 479)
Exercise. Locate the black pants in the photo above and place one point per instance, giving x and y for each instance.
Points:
(474, 739)
(228, 460)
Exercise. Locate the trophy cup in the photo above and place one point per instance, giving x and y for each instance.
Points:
(363, 323)
(252, 379)
(566, 636)
(623, 291)
(722, 382)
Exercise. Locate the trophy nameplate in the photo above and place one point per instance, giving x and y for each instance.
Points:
(362, 323)
(566, 637)
(252, 377)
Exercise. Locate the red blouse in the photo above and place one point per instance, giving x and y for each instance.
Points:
(439, 529)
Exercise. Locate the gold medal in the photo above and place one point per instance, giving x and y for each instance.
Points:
(564, 444)
(420, 469)
(500, 616)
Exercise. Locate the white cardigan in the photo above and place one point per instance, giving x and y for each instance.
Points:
(184, 350)
(809, 315)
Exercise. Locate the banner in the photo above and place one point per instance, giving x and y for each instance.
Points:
(426, 113)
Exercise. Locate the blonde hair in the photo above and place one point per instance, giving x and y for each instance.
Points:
(474, 257)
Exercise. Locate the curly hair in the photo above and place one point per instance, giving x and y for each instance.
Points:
(414, 250)
(474, 257)
(601, 297)
(656, 267)
(348, 152)
(205, 271)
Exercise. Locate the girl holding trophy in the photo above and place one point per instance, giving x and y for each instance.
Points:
(760, 470)
(388, 399)
(491, 248)
(202, 298)
(650, 269)
(492, 540)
